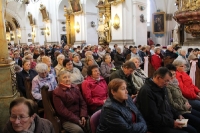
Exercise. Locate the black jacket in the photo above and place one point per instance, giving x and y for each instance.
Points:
(171, 54)
(119, 60)
(153, 103)
(41, 126)
(21, 76)
(130, 86)
(116, 117)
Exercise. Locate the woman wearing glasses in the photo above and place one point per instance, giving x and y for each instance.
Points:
(23, 118)
(75, 75)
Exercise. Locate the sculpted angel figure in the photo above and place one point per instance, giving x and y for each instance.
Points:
(101, 29)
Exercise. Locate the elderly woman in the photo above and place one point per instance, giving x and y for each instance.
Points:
(76, 62)
(138, 76)
(188, 89)
(47, 61)
(75, 75)
(179, 102)
(94, 89)
(21, 76)
(119, 114)
(89, 60)
(43, 78)
(30, 57)
(59, 66)
(23, 118)
(182, 56)
(69, 104)
(156, 59)
(107, 67)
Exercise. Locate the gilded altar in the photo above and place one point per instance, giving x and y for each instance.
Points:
(189, 14)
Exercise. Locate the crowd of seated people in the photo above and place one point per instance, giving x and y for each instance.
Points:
(98, 78)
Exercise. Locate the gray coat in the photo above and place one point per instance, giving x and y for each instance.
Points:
(41, 126)
(105, 69)
(176, 98)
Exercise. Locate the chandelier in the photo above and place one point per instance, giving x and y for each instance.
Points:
(26, 1)
(189, 14)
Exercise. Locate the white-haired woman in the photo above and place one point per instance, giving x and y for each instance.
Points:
(182, 56)
(43, 78)
(138, 76)
(69, 104)
(156, 60)
(188, 89)
(59, 66)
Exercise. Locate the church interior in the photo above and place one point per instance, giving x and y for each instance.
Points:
(101, 41)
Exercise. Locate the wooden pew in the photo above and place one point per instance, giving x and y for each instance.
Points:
(28, 86)
(151, 70)
(197, 76)
(49, 111)
(167, 60)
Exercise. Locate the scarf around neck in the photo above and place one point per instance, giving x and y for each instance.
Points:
(174, 82)
(78, 64)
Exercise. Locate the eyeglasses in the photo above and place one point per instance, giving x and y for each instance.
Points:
(21, 118)
(69, 64)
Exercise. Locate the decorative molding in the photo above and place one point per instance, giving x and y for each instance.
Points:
(90, 13)
(140, 3)
(77, 43)
(122, 42)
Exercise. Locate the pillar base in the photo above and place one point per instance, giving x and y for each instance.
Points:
(121, 43)
(8, 91)
(78, 43)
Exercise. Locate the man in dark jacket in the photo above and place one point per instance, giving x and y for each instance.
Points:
(119, 58)
(170, 52)
(125, 73)
(153, 103)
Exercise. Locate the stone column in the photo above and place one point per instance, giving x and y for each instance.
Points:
(7, 75)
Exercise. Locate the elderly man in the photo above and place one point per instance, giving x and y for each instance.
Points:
(153, 103)
(135, 54)
(194, 54)
(119, 58)
(170, 52)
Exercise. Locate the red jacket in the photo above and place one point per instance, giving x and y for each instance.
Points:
(156, 61)
(69, 104)
(94, 92)
(189, 90)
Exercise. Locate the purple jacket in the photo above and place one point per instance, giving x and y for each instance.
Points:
(69, 104)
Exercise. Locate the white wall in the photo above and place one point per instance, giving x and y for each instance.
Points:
(130, 26)
(168, 7)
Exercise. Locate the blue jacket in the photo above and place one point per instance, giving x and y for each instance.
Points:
(116, 117)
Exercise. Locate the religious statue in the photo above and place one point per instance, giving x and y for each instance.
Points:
(100, 2)
(101, 30)
(176, 34)
(44, 12)
(30, 19)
